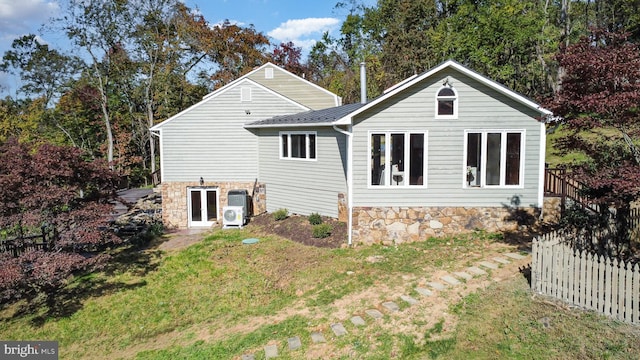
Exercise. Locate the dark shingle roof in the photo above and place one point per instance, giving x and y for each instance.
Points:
(313, 117)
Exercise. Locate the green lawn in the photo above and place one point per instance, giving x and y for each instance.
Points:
(219, 299)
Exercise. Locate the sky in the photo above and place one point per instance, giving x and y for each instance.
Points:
(302, 22)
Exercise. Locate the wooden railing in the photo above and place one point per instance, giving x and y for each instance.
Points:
(558, 182)
(16, 246)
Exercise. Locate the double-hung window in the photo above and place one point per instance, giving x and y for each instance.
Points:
(397, 158)
(494, 158)
(298, 145)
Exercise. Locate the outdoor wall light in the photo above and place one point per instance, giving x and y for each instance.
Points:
(201, 181)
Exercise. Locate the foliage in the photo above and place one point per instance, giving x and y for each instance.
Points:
(315, 219)
(321, 230)
(56, 187)
(280, 214)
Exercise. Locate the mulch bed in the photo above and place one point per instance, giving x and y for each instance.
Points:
(297, 228)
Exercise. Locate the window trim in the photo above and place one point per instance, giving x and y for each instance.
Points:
(307, 145)
(407, 153)
(455, 99)
(503, 158)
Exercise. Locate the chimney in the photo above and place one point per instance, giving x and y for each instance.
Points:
(363, 83)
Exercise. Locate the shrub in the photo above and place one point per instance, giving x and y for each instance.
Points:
(280, 214)
(322, 230)
(315, 219)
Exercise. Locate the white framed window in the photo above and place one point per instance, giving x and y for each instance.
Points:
(493, 158)
(298, 145)
(398, 158)
(446, 103)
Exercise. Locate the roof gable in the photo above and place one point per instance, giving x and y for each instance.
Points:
(212, 96)
(450, 64)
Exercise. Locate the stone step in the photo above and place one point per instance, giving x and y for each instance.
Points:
(294, 343)
(248, 357)
(501, 260)
(437, 285)
(317, 337)
(270, 351)
(450, 280)
(374, 313)
(476, 270)
(423, 291)
(357, 321)
(489, 265)
(338, 329)
(391, 306)
(514, 256)
(463, 275)
(409, 300)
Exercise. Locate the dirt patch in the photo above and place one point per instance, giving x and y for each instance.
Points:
(297, 228)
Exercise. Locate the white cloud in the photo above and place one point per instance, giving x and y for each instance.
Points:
(22, 16)
(300, 29)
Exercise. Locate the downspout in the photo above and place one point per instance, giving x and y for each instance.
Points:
(541, 179)
(159, 135)
(349, 135)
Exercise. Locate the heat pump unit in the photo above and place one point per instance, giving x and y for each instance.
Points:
(240, 198)
(232, 216)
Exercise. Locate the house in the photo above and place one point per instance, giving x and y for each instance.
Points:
(443, 152)
(205, 151)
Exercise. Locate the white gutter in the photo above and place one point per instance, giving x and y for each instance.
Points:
(349, 135)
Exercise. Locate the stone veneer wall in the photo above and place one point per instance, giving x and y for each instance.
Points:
(394, 225)
(174, 199)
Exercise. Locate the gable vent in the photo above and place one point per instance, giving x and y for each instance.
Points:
(245, 93)
(268, 73)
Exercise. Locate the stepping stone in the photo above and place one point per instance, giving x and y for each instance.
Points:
(294, 343)
(409, 300)
(437, 285)
(357, 321)
(423, 291)
(501, 260)
(514, 256)
(338, 329)
(270, 351)
(463, 275)
(317, 337)
(374, 313)
(450, 279)
(476, 270)
(248, 357)
(391, 306)
(489, 265)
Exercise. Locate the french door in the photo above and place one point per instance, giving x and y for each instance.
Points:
(203, 206)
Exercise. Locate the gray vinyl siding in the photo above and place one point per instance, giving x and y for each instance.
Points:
(479, 108)
(296, 89)
(304, 186)
(209, 140)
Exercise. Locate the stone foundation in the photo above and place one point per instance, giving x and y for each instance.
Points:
(552, 210)
(395, 225)
(174, 199)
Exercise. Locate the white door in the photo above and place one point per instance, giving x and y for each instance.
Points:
(203, 206)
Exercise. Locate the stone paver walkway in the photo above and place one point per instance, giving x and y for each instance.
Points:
(452, 281)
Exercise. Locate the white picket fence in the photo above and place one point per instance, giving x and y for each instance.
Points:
(593, 282)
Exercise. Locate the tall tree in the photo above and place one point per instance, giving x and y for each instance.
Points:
(598, 101)
(52, 187)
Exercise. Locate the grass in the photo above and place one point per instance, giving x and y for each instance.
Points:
(220, 299)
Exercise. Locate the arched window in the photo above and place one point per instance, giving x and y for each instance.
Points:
(447, 103)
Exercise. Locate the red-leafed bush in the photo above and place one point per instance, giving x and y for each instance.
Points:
(56, 188)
